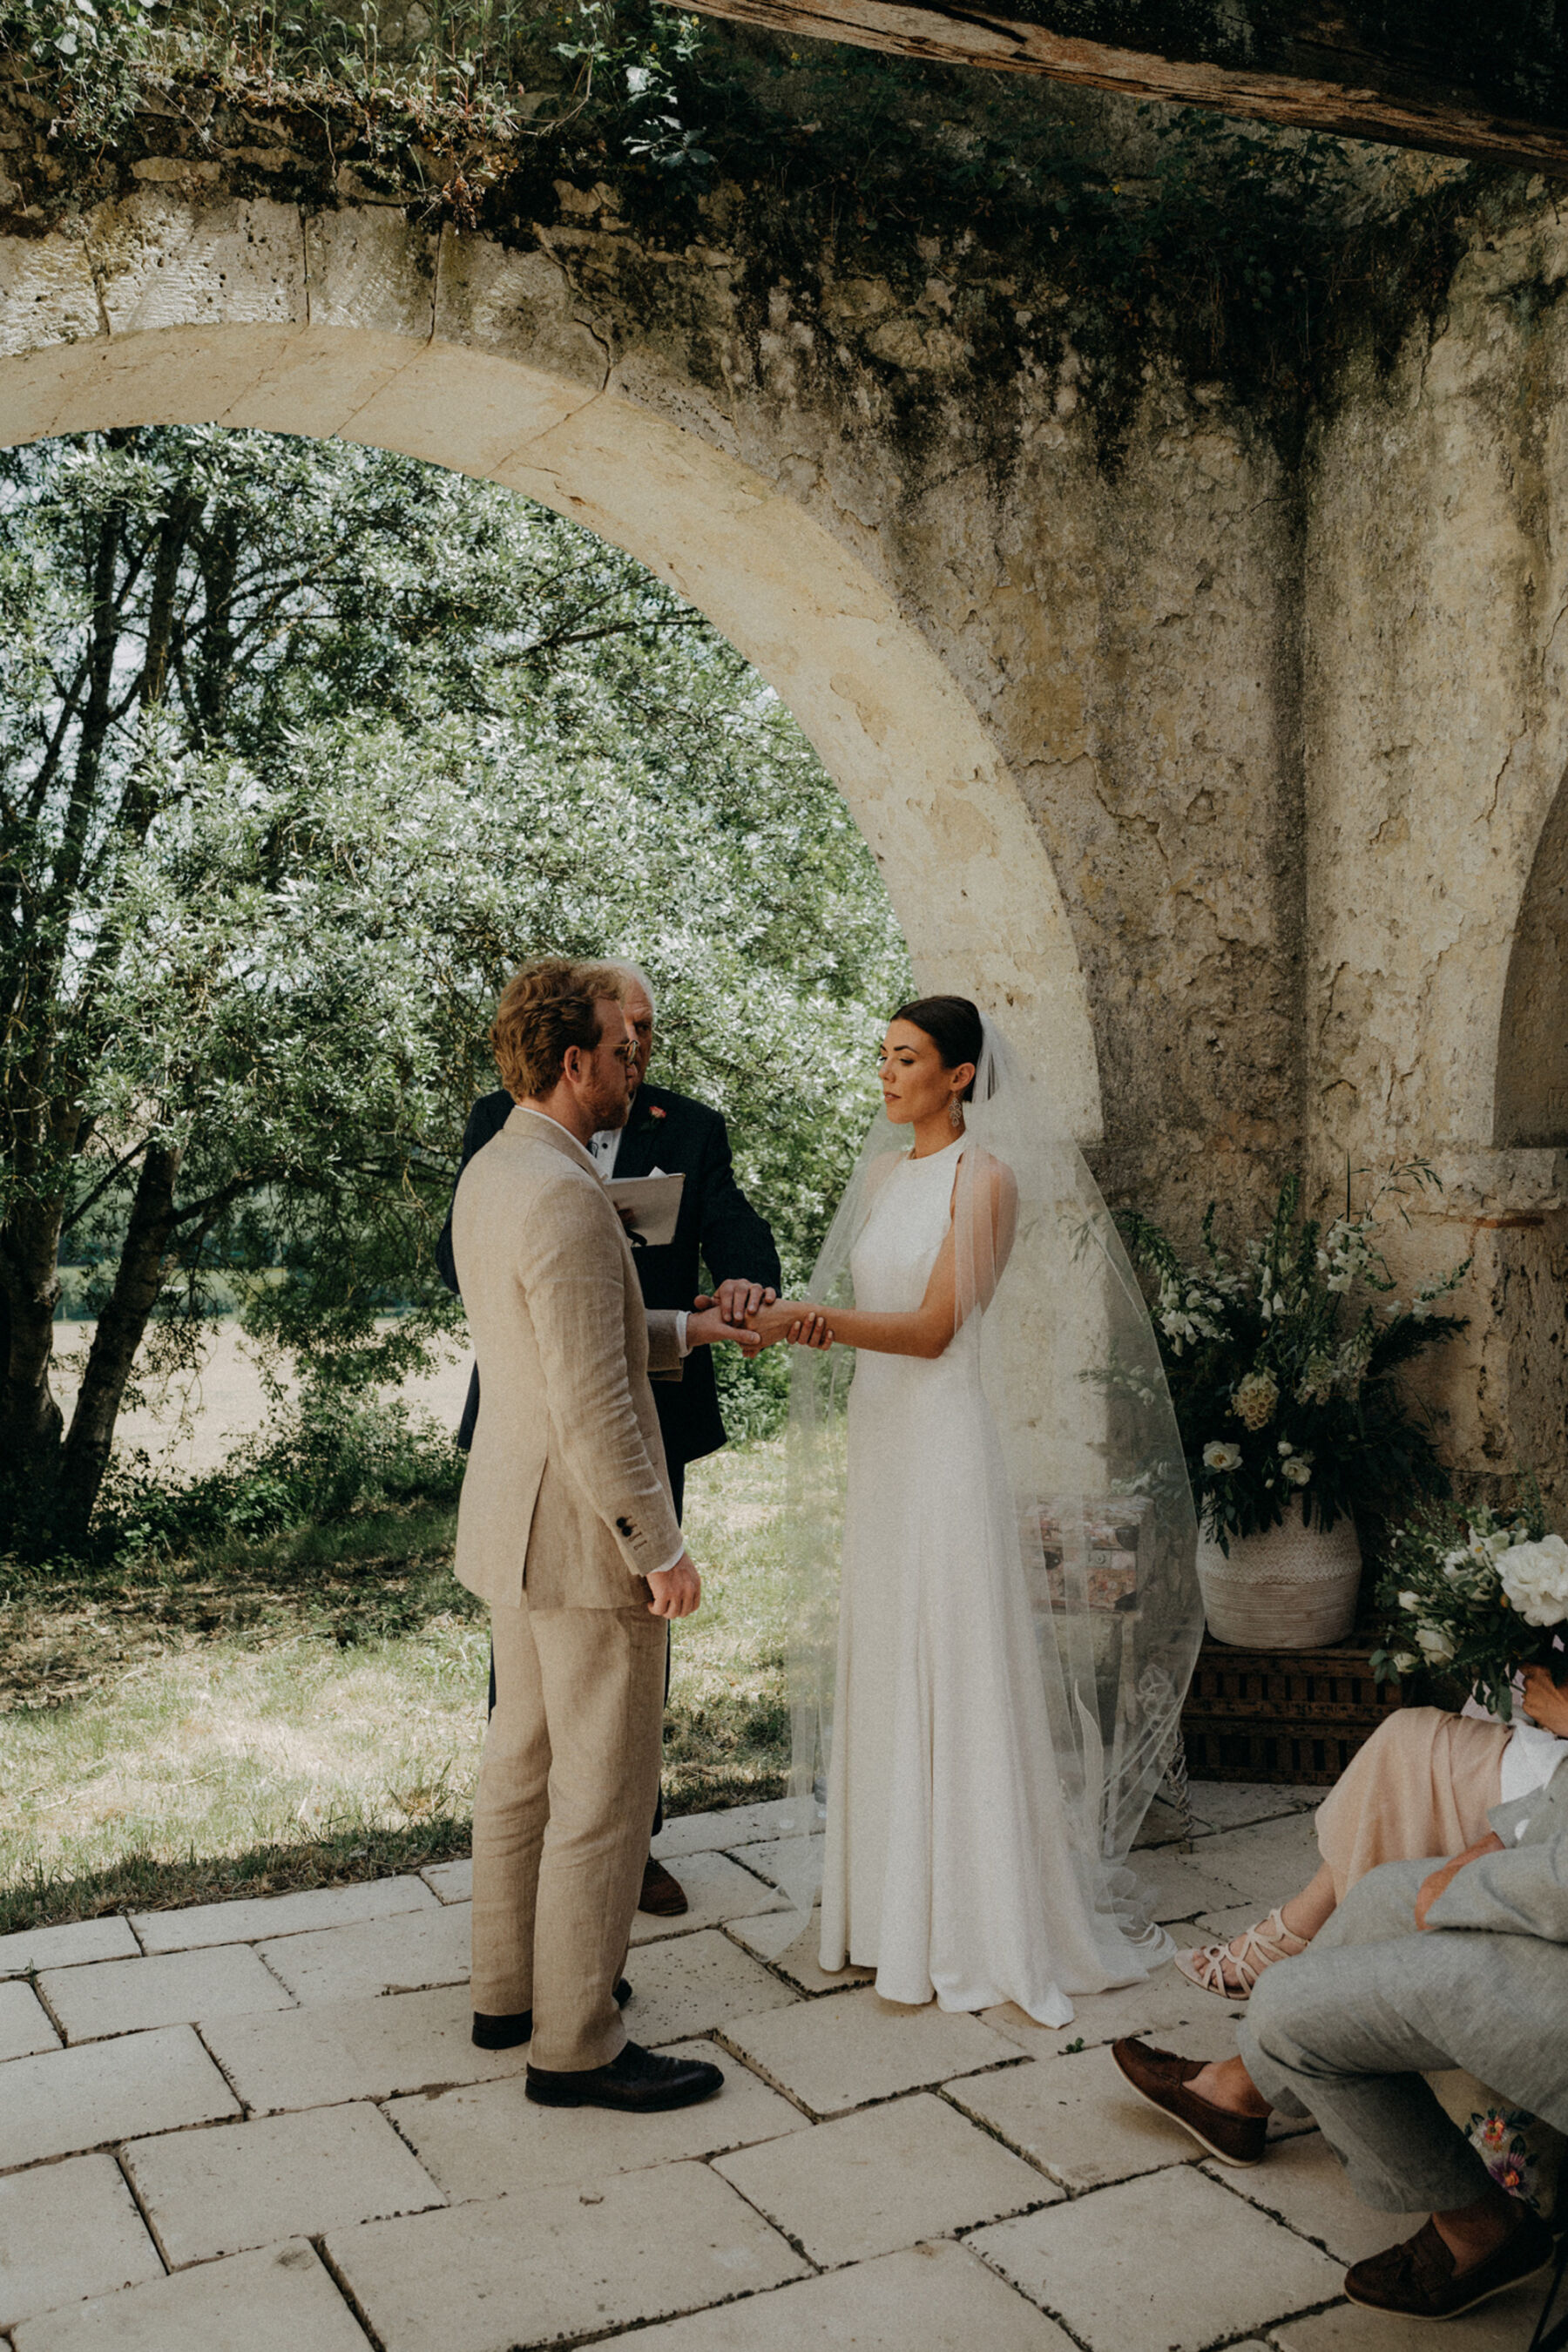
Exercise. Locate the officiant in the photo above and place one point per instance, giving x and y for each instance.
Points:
(717, 1227)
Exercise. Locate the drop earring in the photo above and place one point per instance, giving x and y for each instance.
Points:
(955, 1114)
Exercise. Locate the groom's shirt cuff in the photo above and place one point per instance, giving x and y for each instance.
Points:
(680, 1338)
(669, 1564)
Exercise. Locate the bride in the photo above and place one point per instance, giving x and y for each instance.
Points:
(996, 1605)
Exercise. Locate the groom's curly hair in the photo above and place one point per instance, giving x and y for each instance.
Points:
(549, 1005)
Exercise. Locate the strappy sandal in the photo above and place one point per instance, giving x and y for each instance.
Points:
(1262, 1945)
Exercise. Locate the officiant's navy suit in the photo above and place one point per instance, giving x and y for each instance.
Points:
(717, 1227)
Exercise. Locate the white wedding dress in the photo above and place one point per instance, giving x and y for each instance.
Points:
(948, 1866)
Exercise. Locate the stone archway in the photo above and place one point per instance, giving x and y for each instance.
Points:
(184, 318)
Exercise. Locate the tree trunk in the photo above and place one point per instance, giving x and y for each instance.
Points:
(137, 1282)
(30, 1420)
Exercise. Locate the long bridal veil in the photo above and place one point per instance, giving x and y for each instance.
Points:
(1105, 1534)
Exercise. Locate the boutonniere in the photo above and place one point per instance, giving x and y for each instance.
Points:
(656, 1110)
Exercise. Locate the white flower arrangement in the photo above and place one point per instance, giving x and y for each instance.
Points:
(1479, 1594)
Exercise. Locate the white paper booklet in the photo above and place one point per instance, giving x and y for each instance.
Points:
(655, 1204)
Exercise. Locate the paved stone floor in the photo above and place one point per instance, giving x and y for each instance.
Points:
(260, 2127)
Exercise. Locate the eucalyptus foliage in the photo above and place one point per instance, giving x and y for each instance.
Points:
(1282, 1361)
(303, 748)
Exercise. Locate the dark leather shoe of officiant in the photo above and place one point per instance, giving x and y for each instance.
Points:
(511, 2032)
(639, 2082)
(1416, 2280)
(1161, 2078)
(663, 1895)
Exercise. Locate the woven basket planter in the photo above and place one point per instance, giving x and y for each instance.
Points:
(1293, 1588)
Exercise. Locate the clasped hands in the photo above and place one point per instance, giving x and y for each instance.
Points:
(754, 1317)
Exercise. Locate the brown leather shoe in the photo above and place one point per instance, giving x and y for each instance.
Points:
(1161, 2078)
(663, 1895)
(1416, 2280)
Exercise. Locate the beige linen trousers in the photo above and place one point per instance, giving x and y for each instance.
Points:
(565, 1508)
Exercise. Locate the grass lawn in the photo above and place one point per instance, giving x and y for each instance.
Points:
(310, 1708)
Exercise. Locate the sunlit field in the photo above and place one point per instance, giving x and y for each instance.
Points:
(323, 1696)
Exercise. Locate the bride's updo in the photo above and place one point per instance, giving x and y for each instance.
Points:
(954, 1028)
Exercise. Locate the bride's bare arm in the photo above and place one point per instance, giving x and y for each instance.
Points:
(926, 1330)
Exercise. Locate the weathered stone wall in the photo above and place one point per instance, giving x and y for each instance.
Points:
(1223, 774)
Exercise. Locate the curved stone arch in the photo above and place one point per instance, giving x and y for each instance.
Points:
(167, 316)
(1531, 1083)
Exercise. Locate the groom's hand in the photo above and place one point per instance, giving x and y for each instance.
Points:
(675, 1591)
(706, 1327)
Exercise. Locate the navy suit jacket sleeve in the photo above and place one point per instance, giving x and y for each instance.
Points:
(488, 1118)
(736, 1243)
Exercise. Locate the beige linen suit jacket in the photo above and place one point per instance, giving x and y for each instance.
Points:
(566, 1492)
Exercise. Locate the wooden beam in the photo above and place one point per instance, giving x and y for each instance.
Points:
(1429, 84)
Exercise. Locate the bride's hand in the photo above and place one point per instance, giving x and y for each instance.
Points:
(796, 1319)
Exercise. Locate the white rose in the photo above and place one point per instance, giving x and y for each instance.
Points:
(1410, 1600)
(1298, 1471)
(1405, 1662)
(1436, 1645)
(1535, 1579)
(1220, 1456)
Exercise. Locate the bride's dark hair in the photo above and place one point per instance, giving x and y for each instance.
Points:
(954, 1028)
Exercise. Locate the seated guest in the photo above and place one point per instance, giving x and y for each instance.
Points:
(1418, 1971)
(1422, 1787)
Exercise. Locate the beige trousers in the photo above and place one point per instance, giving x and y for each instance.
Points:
(1421, 1789)
(567, 1786)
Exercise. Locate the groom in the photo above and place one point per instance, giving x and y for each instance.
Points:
(717, 1227)
(567, 1529)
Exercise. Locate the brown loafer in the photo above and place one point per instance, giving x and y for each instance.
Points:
(663, 1895)
(1160, 2078)
(1416, 2280)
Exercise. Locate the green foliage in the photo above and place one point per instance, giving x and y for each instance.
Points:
(1281, 1390)
(329, 1458)
(374, 734)
(1445, 1602)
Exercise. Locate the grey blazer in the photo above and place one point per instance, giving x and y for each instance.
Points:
(1517, 2039)
(567, 1491)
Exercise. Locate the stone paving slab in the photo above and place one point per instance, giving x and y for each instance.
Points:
(1303, 2183)
(1075, 2118)
(873, 2182)
(68, 2231)
(114, 1997)
(330, 2053)
(374, 1956)
(1236, 1804)
(832, 2056)
(250, 1918)
(226, 2190)
(713, 1833)
(717, 1889)
(1503, 2326)
(518, 2272)
(67, 1948)
(489, 2142)
(798, 1961)
(25, 2027)
(930, 2299)
(451, 1882)
(278, 2300)
(1169, 2262)
(1265, 1865)
(71, 2100)
(1178, 1887)
(1154, 2009)
(690, 1985)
